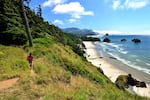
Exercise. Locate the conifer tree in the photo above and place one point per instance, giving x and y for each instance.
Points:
(39, 11)
(28, 2)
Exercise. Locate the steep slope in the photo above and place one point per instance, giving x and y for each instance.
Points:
(59, 72)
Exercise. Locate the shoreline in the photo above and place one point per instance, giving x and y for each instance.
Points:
(112, 68)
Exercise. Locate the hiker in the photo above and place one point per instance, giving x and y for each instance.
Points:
(30, 59)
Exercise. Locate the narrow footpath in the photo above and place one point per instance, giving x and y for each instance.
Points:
(8, 83)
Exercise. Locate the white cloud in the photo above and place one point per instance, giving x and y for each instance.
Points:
(49, 3)
(116, 4)
(73, 8)
(57, 21)
(72, 20)
(117, 32)
(111, 32)
(136, 3)
(144, 32)
(129, 4)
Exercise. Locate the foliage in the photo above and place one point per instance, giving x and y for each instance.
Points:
(121, 82)
(11, 26)
(90, 39)
(74, 42)
(12, 31)
(58, 72)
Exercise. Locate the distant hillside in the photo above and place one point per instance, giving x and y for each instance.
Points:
(79, 32)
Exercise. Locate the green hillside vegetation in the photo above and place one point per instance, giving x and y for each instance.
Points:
(60, 72)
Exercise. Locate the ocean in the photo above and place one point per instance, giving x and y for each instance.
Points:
(136, 55)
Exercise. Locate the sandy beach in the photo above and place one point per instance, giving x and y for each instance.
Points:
(112, 68)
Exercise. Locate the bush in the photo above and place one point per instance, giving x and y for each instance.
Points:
(43, 41)
(67, 77)
(121, 82)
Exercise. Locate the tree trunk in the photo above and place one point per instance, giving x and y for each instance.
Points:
(26, 23)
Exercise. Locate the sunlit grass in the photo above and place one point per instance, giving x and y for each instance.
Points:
(59, 74)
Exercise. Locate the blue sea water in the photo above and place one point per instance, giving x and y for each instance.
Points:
(136, 55)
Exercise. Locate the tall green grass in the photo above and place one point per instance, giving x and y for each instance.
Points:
(59, 74)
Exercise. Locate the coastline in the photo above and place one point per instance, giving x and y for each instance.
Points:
(112, 68)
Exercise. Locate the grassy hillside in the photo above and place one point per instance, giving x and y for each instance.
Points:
(59, 74)
(60, 71)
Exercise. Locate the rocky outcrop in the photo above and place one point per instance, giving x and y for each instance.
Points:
(106, 34)
(107, 40)
(136, 40)
(100, 70)
(123, 40)
(94, 39)
(140, 84)
(123, 81)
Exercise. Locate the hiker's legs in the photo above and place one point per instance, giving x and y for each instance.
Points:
(30, 66)
(30, 63)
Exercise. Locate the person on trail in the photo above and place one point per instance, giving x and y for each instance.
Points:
(30, 59)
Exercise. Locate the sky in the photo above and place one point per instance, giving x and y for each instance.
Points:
(103, 16)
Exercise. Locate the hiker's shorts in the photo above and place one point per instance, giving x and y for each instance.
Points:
(30, 63)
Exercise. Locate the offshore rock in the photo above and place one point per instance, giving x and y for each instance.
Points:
(123, 81)
(123, 40)
(107, 40)
(136, 40)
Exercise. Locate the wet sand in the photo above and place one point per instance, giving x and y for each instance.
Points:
(112, 68)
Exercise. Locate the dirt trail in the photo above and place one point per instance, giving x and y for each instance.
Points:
(32, 73)
(8, 83)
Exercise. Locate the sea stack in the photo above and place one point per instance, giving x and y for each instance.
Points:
(136, 40)
(123, 40)
(107, 40)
